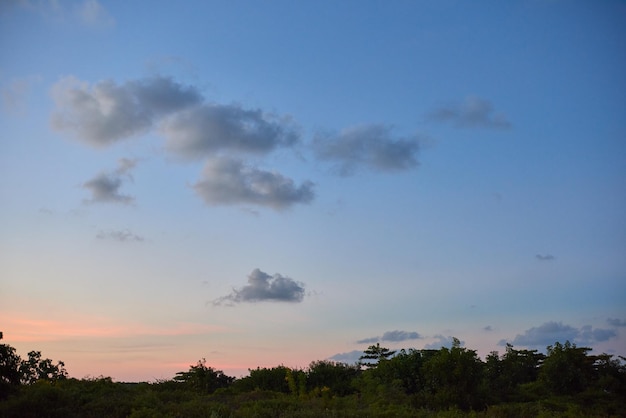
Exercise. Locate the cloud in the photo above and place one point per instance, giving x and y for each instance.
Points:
(369, 146)
(616, 322)
(551, 332)
(15, 93)
(588, 334)
(351, 357)
(229, 182)
(473, 113)
(392, 336)
(263, 287)
(205, 129)
(105, 187)
(106, 112)
(88, 12)
(123, 235)
(488, 328)
(546, 257)
(91, 13)
(442, 341)
(369, 340)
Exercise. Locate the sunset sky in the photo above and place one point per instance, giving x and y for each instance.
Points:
(275, 182)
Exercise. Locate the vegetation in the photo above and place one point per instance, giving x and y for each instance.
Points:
(450, 382)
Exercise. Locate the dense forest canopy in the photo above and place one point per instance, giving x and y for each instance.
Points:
(566, 381)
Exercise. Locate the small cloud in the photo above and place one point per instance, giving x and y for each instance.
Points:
(203, 130)
(473, 113)
(488, 328)
(616, 322)
(370, 146)
(351, 357)
(551, 332)
(264, 287)
(230, 182)
(545, 257)
(442, 341)
(91, 13)
(105, 187)
(106, 112)
(395, 336)
(370, 340)
(123, 235)
(15, 93)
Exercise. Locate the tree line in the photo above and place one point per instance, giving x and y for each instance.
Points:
(565, 381)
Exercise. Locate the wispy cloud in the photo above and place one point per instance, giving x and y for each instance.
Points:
(88, 12)
(105, 187)
(22, 328)
(474, 112)
(264, 287)
(226, 181)
(91, 13)
(545, 257)
(616, 322)
(206, 129)
(392, 336)
(122, 235)
(15, 93)
(367, 146)
(550, 332)
(106, 112)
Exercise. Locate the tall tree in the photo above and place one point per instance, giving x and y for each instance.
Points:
(375, 353)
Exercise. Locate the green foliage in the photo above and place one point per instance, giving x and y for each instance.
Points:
(447, 383)
(567, 369)
(203, 379)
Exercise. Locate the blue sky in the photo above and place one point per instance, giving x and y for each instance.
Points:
(282, 182)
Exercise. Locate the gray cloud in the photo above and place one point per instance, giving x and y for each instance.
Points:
(392, 336)
(229, 182)
(488, 328)
(369, 340)
(105, 187)
(106, 112)
(616, 322)
(588, 334)
(369, 146)
(203, 130)
(264, 287)
(442, 341)
(123, 235)
(551, 332)
(545, 257)
(473, 113)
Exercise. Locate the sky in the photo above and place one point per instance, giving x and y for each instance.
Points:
(275, 183)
